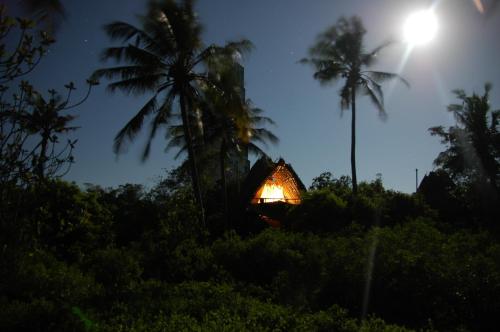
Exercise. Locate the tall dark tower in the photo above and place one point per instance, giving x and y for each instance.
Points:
(240, 75)
(237, 163)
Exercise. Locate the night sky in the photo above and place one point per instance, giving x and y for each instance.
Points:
(314, 136)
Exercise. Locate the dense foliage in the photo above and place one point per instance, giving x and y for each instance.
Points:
(127, 259)
(469, 167)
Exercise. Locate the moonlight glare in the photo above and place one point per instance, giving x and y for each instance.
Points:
(420, 27)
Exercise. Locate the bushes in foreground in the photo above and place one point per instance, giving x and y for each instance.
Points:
(417, 275)
(48, 295)
(202, 306)
(171, 275)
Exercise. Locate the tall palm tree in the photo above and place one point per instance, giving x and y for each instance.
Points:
(237, 127)
(232, 125)
(164, 57)
(339, 54)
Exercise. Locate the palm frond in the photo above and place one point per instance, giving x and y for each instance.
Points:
(326, 76)
(177, 23)
(256, 150)
(377, 88)
(455, 108)
(132, 54)
(460, 94)
(263, 136)
(370, 58)
(255, 119)
(125, 72)
(137, 85)
(162, 117)
(376, 98)
(159, 30)
(123, 31)
(328, 69)
(131, 129)
(380, 76)
(177, 142)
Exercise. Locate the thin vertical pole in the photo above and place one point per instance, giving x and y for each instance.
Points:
(416, 179)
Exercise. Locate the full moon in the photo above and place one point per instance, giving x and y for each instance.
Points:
(420, 27)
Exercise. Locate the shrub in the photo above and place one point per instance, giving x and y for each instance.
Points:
(40, 293)
(68, 221)
(321, 211)
(117, 270)
(201, 306)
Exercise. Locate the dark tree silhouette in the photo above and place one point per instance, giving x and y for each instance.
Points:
(25, 49)
(50, 12)
(339, 54)
(236, 125)
(32, 118)
(164, 57)
(32, 151)
(30, 126)
(45, 119)
(473, 151)
(232, 125)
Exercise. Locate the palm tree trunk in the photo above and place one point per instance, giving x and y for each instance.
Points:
(223, 179)
(353, 142)
(195, 179)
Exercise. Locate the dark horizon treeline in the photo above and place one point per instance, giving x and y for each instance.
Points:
(351, 257)
(104, 259)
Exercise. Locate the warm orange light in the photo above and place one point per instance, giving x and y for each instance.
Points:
(272, 193)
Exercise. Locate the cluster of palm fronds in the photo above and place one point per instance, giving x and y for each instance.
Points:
(167, 57)
(339, 54)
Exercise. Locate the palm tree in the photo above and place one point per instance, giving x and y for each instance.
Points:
(232, 125)
(474, 142)
(237, 127)
(339, 54)
(164, 57)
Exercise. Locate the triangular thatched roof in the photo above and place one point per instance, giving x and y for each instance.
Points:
(265, 171)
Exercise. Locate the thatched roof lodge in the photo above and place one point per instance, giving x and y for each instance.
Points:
(271, 182)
